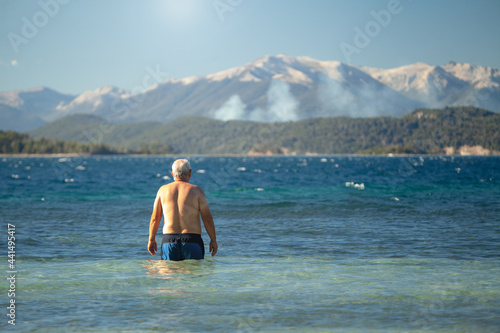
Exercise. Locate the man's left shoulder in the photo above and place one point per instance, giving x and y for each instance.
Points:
(163, 188)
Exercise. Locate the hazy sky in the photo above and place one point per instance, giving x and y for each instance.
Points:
(77, 45)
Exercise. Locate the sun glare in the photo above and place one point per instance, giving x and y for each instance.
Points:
(182, 13)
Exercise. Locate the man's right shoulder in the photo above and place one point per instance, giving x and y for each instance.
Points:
(199, 190)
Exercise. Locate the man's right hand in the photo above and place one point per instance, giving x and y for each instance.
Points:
(152, 248)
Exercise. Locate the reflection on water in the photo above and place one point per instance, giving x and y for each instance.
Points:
(181, 274)
(162, 269)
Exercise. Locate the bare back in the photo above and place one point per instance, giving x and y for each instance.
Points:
(180, 202)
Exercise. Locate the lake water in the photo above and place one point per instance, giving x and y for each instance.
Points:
(306, 244)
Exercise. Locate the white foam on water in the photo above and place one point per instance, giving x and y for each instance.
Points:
(360, 186)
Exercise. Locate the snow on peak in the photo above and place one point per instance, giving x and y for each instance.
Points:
(190, 80)
(419, 77)
(11, 98)
(299, 70)
(101, 95)
(418, 68)
(95, 98)
(38, 97)
(105, 90)
(479, 76)
(184, 81)
(225, 75)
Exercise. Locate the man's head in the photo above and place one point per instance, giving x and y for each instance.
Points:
(181, 169)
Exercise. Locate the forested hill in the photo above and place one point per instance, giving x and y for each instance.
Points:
(423, 131)
(18, 143)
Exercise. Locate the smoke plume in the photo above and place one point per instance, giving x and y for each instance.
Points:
(281, 106)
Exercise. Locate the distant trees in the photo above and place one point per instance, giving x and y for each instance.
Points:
(154, 148)
(19, 143)
(423, 131)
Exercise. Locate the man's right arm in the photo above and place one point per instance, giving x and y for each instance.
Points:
(154, 224)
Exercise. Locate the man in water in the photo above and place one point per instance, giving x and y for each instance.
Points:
(182, 204)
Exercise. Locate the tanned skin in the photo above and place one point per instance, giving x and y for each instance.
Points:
(183, 203)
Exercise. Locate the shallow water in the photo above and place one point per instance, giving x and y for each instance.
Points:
(324, 243)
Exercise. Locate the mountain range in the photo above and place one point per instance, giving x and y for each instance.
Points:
(269, 89)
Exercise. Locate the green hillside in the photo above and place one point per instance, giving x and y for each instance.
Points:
(422, 131)
(18, 143)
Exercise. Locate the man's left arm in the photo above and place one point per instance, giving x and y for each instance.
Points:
(154, 224)
(208, 222)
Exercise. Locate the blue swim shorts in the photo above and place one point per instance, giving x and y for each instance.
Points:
(182, 246)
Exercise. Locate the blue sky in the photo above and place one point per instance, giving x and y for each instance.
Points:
(75, 45)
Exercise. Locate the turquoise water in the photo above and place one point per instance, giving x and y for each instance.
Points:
(320, 244)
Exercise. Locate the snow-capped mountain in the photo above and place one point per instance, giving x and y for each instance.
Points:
(481, 77)
(272, 88)
(484, 85)
(277, 88)
(92, 100)
(40, 105)
(439, 86)
(282, 67)
(40, 102)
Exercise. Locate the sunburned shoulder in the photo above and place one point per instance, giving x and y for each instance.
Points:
(164, 187)
(174, 185)
(194, 188)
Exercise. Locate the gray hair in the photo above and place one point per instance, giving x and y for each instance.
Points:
(180, 168)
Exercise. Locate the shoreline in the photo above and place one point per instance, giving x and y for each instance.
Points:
(308, 154)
